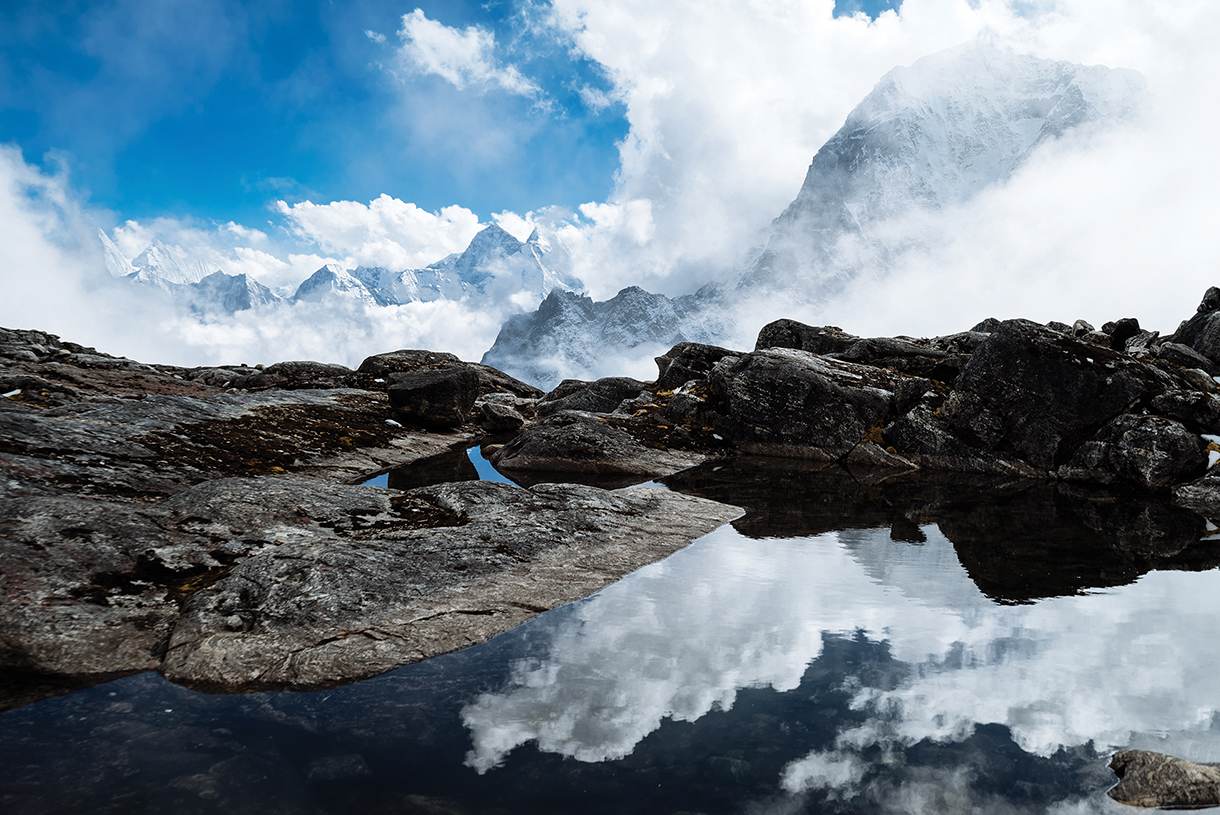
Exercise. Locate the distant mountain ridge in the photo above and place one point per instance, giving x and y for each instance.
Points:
(494, 265)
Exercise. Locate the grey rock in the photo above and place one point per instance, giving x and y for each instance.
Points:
(792, 403)
(925, 438)
(384, 366)
(1051, 392)
(1210, 301)
(963, 342)
(1202, 333)
(298, 374)
(382, 580)
(1123, 330)
(1148, 779)
(688, 361)
(1178, 354)
(602, 396)
(1198, 409)
(499, 418)
(986, 326)
(1097, 338)
(573, 442)
(440, 398)
(1148, 451)
(814, 339)
(1062, 328)
(1142, 343)
(1081, 327)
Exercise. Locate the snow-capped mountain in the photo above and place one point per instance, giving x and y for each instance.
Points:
(494, 267)
(162, 265)
(927, 138)
(572, 336)
(220, 293)
(333, 281)
(494, 264)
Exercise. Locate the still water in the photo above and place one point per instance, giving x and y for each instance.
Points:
(943, 650)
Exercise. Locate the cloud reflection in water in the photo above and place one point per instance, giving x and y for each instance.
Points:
(678, 639)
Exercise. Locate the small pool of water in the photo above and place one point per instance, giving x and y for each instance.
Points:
(454, 465)
(842, 648)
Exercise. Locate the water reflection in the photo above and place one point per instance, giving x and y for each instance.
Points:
(894, 647)
(459, 464)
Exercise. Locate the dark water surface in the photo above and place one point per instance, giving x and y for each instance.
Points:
(845, 647)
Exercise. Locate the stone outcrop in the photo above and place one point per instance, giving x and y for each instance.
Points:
(441, 398)
(1155, 780)
(154, 517)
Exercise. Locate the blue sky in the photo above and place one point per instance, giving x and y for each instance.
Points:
(214, 108)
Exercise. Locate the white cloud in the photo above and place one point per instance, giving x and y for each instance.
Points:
(385, 232)
(461, 57)
(728, 101)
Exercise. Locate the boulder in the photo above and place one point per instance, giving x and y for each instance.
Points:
(602, 396)
(924, 437)
(814, 339)
(1197, 409)
(1123, 330)
(688, 361)
(792, 403)
(499, 418)
(384, 366)
(1202, 334)
(1148, 451)
(439, 398)
(573, 442)
(1155, 780)
(1178, 354)
(298, 375)
(1040, 394)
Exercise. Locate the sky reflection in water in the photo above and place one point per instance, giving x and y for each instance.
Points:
(842, 671)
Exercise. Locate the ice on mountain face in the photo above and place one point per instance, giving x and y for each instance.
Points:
(220, 293)
(116, 264)
(927, 137)
(161, 263)
(572, 336)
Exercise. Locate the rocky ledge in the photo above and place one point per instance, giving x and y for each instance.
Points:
(209, 522)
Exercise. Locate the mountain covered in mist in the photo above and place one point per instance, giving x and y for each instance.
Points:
(927, 138)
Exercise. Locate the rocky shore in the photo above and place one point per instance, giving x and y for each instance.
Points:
(211, 523)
